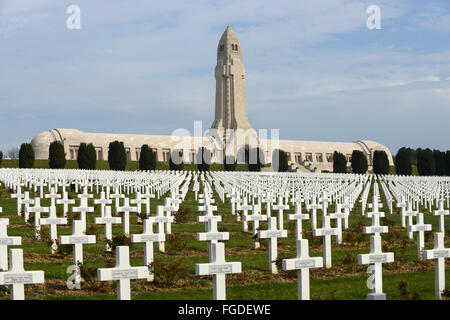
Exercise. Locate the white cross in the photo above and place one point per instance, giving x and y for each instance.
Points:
(148, 237)
(441, 213)
(347, 206)
(280, 207)
(244, 207)
(65, 201)
(439, 253)
(108, 220)
(420, 227)
(52, 196)
(19, 197)
(103, 201)
(26, 201)
(272, 233)
(117, 195)
(302, 263)
(6, 241)
(324, 200)
(126, 209)
(298, 216)
(147, 196)
(268, 201)
(41, 184)
(218, 268)
(123, 272)
(83, 208)
(235, 202)
(377, 258)
(53, 221)
(410, 213)
(338, 216)
(161, 220)
(375, 228)
(169, 207)
(37, 209)
(255, 217)
(402, 204)
(78, 238)
(138, 202)
(17, 277)
(326, 232)
(313, 206)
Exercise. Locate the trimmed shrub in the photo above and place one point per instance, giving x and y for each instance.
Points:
(256, 159)
(117, 157)
(380, 162)
(176, 160)
(282, 160)
(26, 156)
(425, 162)
(447, 163)
(403, 163)
(359, 162)
(87, 157)
(439, 160)
(204, 157)
(229, 163)
(56, 155)
(147, 159)
(339, 163)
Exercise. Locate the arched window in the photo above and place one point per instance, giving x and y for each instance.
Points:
(236, 47)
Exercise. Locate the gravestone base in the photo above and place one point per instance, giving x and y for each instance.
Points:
(376, 296)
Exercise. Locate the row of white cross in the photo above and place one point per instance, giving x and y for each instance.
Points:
(239, 202)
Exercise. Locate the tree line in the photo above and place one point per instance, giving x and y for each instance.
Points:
(428, 162)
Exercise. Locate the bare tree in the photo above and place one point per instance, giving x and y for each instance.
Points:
(13, 153)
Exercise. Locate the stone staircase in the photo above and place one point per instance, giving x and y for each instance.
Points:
(296, 167)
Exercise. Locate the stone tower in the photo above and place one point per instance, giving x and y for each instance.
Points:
(231, 109)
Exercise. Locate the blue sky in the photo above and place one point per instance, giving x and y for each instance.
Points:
(314, 70)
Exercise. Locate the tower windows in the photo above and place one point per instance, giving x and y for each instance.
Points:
(221, 47)
(234, 47)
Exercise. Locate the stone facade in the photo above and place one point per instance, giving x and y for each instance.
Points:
(230, 116)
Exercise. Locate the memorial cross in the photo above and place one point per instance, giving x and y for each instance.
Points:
(244, 207)
(439, 253)
(65, 201)
(103, 201)
(420, 227)
(26, 201)
(218, 268)
(377, 258)
(161, 219)
(148, 237)
(17, 277)
(6, 241)
(302, 263)
(280, 206)
(326, 232)
(255, 217)
(78, 238)
(108, 220)
(441, 213)
(313, 206)
(272, 233)
(126, 209)
(123, 272)
(53, 221)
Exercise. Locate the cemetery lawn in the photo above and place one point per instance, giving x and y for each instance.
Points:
(405, 278)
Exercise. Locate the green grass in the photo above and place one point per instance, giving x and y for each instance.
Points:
(345, 280)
